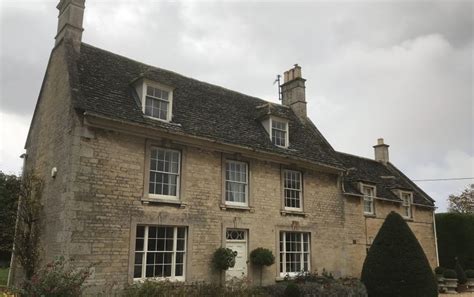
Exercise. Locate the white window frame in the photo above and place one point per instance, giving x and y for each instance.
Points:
(163, 88)
(407, 205)
(300, 190)
(282, 268)
(368, 198)
(286, 131)
(178, 176)
(246, 183)
(173, 266)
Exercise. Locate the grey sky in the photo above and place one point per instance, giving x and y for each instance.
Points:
(396, 69)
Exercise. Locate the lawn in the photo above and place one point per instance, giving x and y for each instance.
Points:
(3, 277)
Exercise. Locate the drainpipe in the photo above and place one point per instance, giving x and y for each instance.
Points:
(11, 271)
(435, 238)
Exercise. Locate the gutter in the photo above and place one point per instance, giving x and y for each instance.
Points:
(90, 117)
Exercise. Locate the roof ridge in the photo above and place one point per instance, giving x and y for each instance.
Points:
(183, 76)
(360, 157)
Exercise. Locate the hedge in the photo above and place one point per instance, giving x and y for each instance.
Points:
(455, 234)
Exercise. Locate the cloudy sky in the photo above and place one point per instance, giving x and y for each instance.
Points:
(394, 69)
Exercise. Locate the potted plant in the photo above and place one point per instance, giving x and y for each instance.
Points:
(462, 279)
(262, 257)
(439, 276)
(450, 280)
(223, 259)
(470, 280)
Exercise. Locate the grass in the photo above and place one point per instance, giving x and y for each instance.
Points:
(3, 277)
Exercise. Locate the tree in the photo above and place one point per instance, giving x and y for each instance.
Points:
(27, 234)
(396, 264)
(223, 259)
(262, 257)
(9, 193)
(463, 203)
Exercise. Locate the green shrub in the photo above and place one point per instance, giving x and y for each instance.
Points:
(57, 279)
(470, 273)
(396, 264)
(439, 270)
(455, 233)
(224, 258)
(292, 290)
(462, 279)
(262, 257)
(179, 289)
(322, 287)
(450, 273)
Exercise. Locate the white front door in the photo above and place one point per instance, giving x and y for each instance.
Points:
(236, 240)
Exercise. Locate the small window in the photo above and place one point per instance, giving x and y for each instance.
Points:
(292, 189)
(294, 253)
(160, 253)
(164, 173)
(406, 204)
(369, 194)
(157, 103)
(279, 133)
(236, 183)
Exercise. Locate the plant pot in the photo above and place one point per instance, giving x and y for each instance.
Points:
(470, 284)
(451, 284)
(461, 288)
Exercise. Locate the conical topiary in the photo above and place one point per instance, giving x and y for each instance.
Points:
(396, 264)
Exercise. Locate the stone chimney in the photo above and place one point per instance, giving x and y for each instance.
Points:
(71, 14)
(381, 151)
(293, 91)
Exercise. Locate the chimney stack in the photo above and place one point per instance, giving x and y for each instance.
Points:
(381, 151)
(71, 14)
(293, 91)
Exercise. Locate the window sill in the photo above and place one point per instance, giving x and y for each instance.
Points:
(370, 215)
(408, 219)
(286, 212)
(177, 203)
(237, 207)
(160, 120)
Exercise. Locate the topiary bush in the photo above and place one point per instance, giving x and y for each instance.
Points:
(262, 257)
(469, 273)
(450, 273)
(223, 259)
(439, 270)
(462, 279)
(396, 264)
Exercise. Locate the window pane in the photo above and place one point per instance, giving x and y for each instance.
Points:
(236, 181)
(161, 254)
(164, 170)
(294, 254)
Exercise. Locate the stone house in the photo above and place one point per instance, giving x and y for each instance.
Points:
(147, 172)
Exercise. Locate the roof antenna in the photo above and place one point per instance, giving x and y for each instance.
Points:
(277, 80)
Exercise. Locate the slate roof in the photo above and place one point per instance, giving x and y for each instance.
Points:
(199, 109)
(386, 179)
(102, 85)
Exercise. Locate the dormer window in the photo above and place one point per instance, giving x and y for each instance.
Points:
(369, 195)
(157, 101)
(279, 132)
(407, 200)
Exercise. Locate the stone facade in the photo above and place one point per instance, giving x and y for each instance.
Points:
(99, 195)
